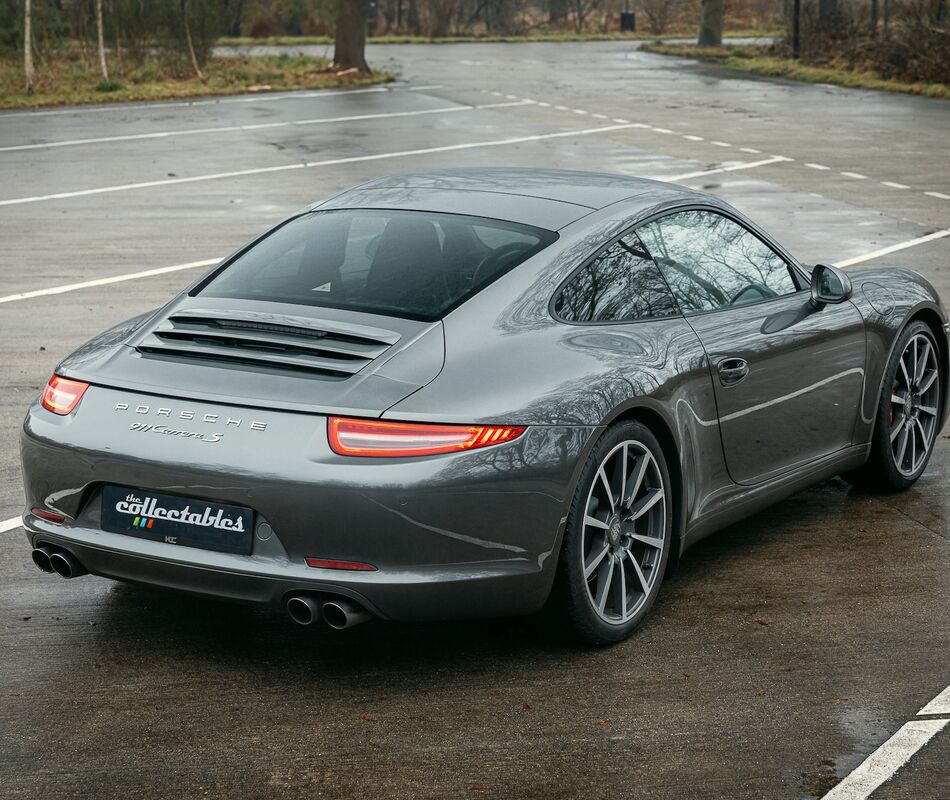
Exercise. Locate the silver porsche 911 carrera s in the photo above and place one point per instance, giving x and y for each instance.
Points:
(462, 393)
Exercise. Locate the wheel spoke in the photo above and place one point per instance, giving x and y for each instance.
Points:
(603, 585)
(594, 560)
(928, 410)
(913, 447)
(920, 365)
(898, 428)
(646, 503)
(636, 478)
(649, 540)
(902, 444)
(925, 383)
(645, 587)
(897, 400)
(623, 476)
(610, 495)
(622, 599)
(923, 437)
(596, 523)
(907, 380)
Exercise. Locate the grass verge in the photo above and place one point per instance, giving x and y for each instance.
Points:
(761, 61)
(540, 36)
(68, 81)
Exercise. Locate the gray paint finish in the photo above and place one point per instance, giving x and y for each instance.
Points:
(477, 533)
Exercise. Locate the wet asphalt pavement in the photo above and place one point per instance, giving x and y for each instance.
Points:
(783, 651)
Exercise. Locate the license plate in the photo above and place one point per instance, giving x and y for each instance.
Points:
(177, 520)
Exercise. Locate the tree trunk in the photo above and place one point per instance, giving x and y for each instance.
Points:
(28, 46)
(710, 23)
(349, 41)
(118, 43)
(102, 42)
(191, 47)
(412, 18)
(874, 16)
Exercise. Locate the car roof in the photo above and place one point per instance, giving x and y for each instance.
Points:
(546, 198)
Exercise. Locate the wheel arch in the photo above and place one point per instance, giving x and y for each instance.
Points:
(932, 319)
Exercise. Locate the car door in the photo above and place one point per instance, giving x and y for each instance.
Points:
(788, 377)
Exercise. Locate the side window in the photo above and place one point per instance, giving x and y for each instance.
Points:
(622, 283)
(711, 262)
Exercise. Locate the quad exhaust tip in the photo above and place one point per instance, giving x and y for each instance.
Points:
(304, 610)
(41, 557)
(54, 559)
(66, 564)
(342, 613)
(339, 613)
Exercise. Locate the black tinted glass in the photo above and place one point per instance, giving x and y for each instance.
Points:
(405, 263)
(622, 283)
(711, 262)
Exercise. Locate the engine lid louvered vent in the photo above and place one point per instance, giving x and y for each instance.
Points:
(280, 342)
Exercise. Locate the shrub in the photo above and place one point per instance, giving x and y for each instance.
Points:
(109, 86)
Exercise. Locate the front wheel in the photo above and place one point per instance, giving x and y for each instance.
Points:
(618, 535)
(908, 413)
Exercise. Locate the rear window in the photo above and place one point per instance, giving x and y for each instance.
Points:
(404, 263)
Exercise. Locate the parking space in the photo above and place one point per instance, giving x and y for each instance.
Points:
(784, 651)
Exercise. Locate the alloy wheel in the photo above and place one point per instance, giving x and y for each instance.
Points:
(624, 531)
(914, 406)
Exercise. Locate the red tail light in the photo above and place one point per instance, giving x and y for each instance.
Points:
(363, 437)
(62, 395)
(49, 516)
(332, 563)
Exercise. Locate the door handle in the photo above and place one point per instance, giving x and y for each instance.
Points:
(732, 370)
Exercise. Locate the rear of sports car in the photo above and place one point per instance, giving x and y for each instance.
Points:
(244, 441)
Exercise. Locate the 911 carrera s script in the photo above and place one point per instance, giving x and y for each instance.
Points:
(144, 427)
(177, 520)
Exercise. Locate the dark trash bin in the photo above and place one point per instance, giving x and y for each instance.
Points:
(628, 21)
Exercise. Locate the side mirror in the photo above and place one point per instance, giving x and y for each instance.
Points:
(829, 286)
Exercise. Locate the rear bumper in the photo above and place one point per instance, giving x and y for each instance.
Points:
(432, 593)
(465, 535)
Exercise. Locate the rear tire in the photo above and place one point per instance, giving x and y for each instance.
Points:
(618, 536)
(908, 414)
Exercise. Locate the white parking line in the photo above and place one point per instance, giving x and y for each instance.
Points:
(732, 168)
(312, 164)
(884, 762)
(816, 166)
(938, 195)
(894, 248)
(10, 524)
(894, 185)
(71, 287)
(255, 127)
(856, 175)
(939, 705)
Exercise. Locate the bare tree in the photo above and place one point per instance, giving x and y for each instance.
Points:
(440, 16)
(102, 42)
(349, 41)
(710, 23)
(28, 45)
(191, 46)
(582, 9)
(659, 14)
